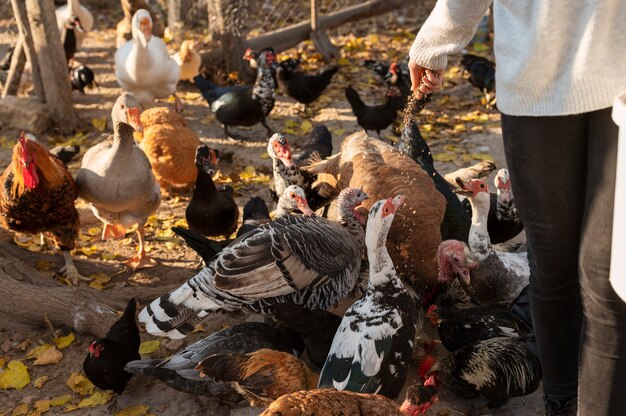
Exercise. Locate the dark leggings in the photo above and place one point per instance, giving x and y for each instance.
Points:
(563, 177)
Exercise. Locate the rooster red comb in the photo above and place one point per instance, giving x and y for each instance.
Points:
(425, 366)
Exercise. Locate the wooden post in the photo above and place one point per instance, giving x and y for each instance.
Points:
(52, 64)
(21, 17)
(313, 15)
(18, 60)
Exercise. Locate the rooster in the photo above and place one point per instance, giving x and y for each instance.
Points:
(261, 376)
(38, 195)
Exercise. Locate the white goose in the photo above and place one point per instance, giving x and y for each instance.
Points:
(74, 8)
(143, 66)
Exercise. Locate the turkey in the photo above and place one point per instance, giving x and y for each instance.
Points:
(371, 351)
(307, 260)
(382, 170)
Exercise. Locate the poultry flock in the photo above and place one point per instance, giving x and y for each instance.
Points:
(402, 242)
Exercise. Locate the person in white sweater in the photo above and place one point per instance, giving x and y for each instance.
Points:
(560, 64)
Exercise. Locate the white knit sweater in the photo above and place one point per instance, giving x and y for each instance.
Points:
(554, 57)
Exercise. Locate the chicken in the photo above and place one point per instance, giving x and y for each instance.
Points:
(170, 146)
(38, 195)
(395, 75)
(372, 349)
(302, 87)
(188, 59)
(104, 365)
(143, 66)
(303, 259)
(243, 105)
(382, 170)
(481, 74)
(116, 179)
(179, 371)
(82, 77)
(261, 376)
(211, 211)
(376, 117)
(332, 403)
(65, 153)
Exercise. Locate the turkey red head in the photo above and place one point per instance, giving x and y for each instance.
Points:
(471, 188)
(348, 203)
(278, 149)
(454, 260)
(95, 349)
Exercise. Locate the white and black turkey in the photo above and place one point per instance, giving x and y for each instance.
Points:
(306, 260)
(371, 351)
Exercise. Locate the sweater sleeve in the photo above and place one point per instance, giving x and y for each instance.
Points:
(448, 29)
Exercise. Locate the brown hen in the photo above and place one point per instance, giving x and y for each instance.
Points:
(38, 195)
(261, 376)
(332, 403)
(382, 171)
(171, 147)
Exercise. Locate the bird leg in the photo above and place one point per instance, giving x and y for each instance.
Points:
(113, 231)
(270, 131)
(141, 260)
(233, 136)
(42, 240)
(178, 104)
(70, 270)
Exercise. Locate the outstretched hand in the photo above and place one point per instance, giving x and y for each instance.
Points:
(424, 81)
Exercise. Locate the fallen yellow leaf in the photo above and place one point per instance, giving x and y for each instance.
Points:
(43, 265)
(148, 347)
(42, 406)
(134, 410)
(15, 376)
(1, 363)
(63, 342)
(109, 256)
(80, 384)
(60, 400)
(38, 351)
(99, 124)
(445, 157)
(343, 61)
(41, 381)
(20, 410)
(51, 356)
(306, 127)
(99, 280)
(98, 398)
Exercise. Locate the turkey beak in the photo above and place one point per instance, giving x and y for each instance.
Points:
(285, 156)
(78, 26)
(398, 201)
(132, 115)
(303, 206)
(463, 190)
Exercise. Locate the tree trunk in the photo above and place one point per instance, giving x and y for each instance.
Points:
(28, 296)
(52, 64)
(21, 17)
(18, 61)
(227, 27)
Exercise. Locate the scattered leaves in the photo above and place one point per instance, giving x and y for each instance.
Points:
(37, 352)
(98, 398)
(80, 384)
(20, 410)
(62, 342)
(148, 347)
(15, 376)
(41, 381)
(99, 280)
(60, 400)
(42, 406)
(134, 410)
(445, 157)
(99, 124)
(50, 356)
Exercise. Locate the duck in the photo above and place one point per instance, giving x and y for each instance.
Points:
(286, 173)
(303, 259)
(243, 105)
(143, 66)
(116, 179)
(179, 370)
(68, 11)
(68, 37)
(293, 199)
(496, 368)
(188, 59)
(372, 348)
(210, 211)
(379, 169)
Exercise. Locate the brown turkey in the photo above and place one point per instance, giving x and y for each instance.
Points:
(383, 171)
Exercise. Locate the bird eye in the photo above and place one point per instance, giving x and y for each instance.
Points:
(293, 195)
(482, 186)
(122, 106)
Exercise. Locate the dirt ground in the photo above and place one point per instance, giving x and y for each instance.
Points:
(458, 127)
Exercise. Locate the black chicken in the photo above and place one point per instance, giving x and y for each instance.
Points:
(302, 87)
(255, 214)
(497, 369)
(482, 75)
(82, 77)
(65, 153)
(319, 141)
(456, 220)
(460, 327)
(178, 371)
(211, 211)
(376, 117)
(395, 75)
(316, 327)
(104, 365)
(243, 105)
